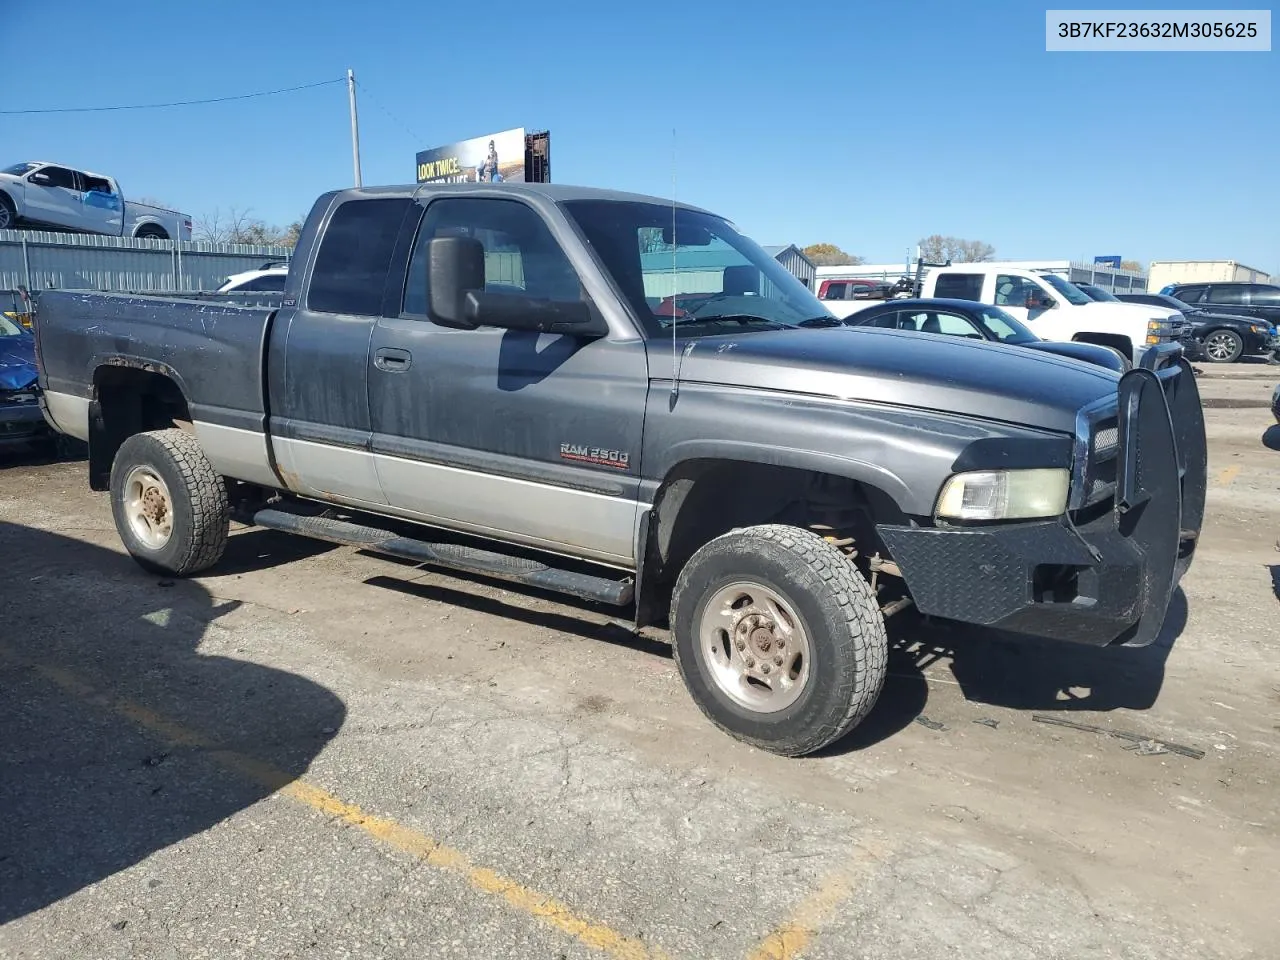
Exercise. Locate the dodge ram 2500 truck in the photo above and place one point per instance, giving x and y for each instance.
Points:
(475, 377)
(61, 198)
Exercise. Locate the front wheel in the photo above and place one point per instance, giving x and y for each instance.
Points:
(169, 504)
(8, 215)
(1223, 346)
(779, 638)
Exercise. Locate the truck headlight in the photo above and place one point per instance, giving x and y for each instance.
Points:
(1158, 330)
(1004, 495)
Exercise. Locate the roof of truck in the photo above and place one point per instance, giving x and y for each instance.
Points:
(556, 192)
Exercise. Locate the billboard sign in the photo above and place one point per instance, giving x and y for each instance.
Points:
(1108, 261)
(512, 156)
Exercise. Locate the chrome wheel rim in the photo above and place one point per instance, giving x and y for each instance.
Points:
(1220, 346)
(148, 507)
(755, 646)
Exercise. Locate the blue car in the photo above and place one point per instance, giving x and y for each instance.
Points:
(21, 421)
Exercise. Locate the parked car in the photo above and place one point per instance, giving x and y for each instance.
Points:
(853, 289)
(39, 194)
(1260, 300)
(268, 278)
(979, 321)
(21, 421)
(1055, 309)
(1225, 337)
(765, 481)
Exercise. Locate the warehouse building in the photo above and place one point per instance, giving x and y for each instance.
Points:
(695, 270)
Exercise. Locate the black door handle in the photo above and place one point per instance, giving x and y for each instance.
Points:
(392, 360)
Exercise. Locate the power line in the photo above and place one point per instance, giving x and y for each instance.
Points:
(178, 103)
(391, 116)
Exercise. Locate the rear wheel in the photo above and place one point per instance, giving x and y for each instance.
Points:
(152, 233)
(1223, 346)
(778, 637)
(169, 504)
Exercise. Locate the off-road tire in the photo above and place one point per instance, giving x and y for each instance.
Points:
(1225, 338)
(838, 609)
(198, 498)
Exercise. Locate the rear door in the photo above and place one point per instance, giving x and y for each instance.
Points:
(320, 401)
(532, 438)
(102, 209)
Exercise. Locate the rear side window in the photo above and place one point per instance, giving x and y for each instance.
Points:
(273, 282)
(355, 256)
(958, 286)
(1229, 293)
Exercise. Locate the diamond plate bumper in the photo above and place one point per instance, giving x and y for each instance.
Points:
(1104, 580)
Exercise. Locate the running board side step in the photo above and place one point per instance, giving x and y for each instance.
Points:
(451, 556)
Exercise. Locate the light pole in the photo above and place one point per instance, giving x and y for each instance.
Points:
(355, 127)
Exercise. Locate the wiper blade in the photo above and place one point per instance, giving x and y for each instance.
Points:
(818, 322)
(741, 319)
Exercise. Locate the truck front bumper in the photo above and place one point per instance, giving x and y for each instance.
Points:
(1093, 578)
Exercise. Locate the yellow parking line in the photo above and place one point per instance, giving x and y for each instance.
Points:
(1227, 474)
(788, 940)
(549, 910)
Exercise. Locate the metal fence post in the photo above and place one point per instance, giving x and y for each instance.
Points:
(26, 261)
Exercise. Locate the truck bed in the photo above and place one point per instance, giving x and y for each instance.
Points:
(213, 351)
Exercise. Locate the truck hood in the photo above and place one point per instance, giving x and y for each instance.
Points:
(1134, 311)
(991, 381)
(17, 362)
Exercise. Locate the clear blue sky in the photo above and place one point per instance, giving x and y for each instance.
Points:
(866, 125)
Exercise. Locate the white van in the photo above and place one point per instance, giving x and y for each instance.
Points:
(1056, 309)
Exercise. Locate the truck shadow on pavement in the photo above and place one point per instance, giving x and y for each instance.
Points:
(117, 732)
(1023, 673)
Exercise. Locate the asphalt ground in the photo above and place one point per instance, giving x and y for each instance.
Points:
(315, 752)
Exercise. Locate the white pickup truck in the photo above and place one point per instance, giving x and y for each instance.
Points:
(76, 201)
(1057, 310)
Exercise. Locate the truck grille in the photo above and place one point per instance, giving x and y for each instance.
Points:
(1097, 446)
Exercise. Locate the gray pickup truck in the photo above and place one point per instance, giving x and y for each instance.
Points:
(627, 401)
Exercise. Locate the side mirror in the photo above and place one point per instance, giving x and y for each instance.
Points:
(38, 177)
(455, 267)
(515, 312)
(1038, 301)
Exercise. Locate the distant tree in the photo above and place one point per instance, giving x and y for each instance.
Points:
(1131, 265)
(651, 240)
(237, 226)
(937, 248)
(291, 234)
(829, 255)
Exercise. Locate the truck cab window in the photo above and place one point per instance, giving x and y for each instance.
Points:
(1013, 291)
(520, 254)
(959, 286)
(355, 256)
(90, 183)
(58, 177)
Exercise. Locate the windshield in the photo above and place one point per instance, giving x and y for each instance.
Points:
(1004, 326)
(1068, 291)
(10, 329)
(18, 169)
(697, 275)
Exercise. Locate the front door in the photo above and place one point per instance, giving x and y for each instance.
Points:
(533, 438)
(53, 197)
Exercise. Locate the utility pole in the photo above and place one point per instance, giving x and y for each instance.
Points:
(355, 127)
